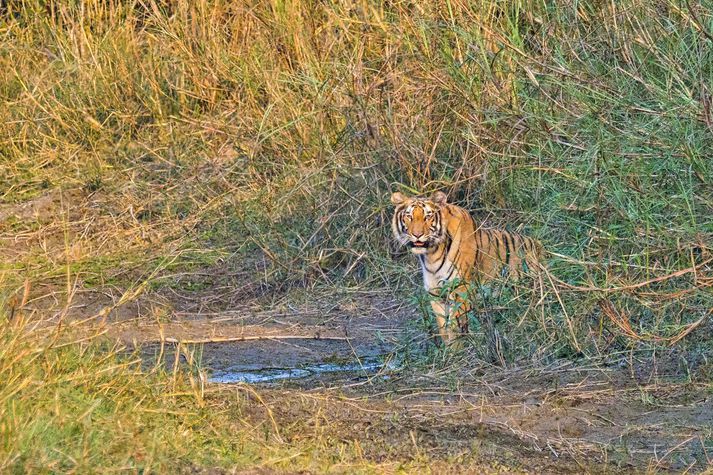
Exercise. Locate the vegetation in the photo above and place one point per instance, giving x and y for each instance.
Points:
(143, 139)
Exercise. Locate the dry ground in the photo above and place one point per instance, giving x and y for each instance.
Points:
(638, 415)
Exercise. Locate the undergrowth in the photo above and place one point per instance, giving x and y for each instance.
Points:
(193, 133)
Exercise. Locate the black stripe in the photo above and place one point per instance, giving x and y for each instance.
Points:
(498, 245)
(507, 247)
(523, 242)
(445, 253)
(455, 258)
(523, 246)
(528, 241)
(501, 240)
(446, 248)
(438, 253)
(449, 243)
(450, 274)
(444, 256)
(531, 242)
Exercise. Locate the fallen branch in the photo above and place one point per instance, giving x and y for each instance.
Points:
(256, 337)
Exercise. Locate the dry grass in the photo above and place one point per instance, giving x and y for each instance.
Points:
(200, 131)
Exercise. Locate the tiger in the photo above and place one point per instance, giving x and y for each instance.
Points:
(456, 253)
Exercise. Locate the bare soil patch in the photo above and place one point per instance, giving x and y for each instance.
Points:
(631, 414)
(563, 419)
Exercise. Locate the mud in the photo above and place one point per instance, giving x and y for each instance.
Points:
(306, 362)
(625, 415)
(557, 420)
(617, 416)
(564, 418)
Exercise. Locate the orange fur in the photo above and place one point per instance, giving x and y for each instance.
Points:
(450, 247)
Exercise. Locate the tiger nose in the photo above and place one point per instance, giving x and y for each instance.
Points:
(417, 235)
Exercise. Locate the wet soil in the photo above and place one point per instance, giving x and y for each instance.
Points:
(562, 419)
(625, 415)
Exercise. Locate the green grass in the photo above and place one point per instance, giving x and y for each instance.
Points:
(77, 407)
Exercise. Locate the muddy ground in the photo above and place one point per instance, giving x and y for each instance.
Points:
(630, 414)
(565, 418)
(626, 415)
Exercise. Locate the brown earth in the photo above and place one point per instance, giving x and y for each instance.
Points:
(637, 415)
(559, 419)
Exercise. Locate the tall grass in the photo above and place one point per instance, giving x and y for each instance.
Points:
(281, 127)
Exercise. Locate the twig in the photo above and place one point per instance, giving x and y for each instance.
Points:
(623, 323)
(673, 449)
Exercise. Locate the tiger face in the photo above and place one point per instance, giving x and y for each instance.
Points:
(417, 221)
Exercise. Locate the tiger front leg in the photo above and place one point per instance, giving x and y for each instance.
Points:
(460, 306)
(441, 312)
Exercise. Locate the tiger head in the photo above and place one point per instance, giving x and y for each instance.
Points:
(417, 221)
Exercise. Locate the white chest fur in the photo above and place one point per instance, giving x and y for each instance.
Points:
(435, 280)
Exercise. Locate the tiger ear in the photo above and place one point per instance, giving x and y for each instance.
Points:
(398, 198)
(439, 198)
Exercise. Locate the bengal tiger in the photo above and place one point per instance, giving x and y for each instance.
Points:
(456, 253)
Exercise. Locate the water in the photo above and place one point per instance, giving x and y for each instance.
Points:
(268, 375)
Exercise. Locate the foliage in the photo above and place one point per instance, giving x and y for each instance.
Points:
(279, 129)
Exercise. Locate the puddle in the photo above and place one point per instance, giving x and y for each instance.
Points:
(366, 367)
(265, 362)
(257, 376)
